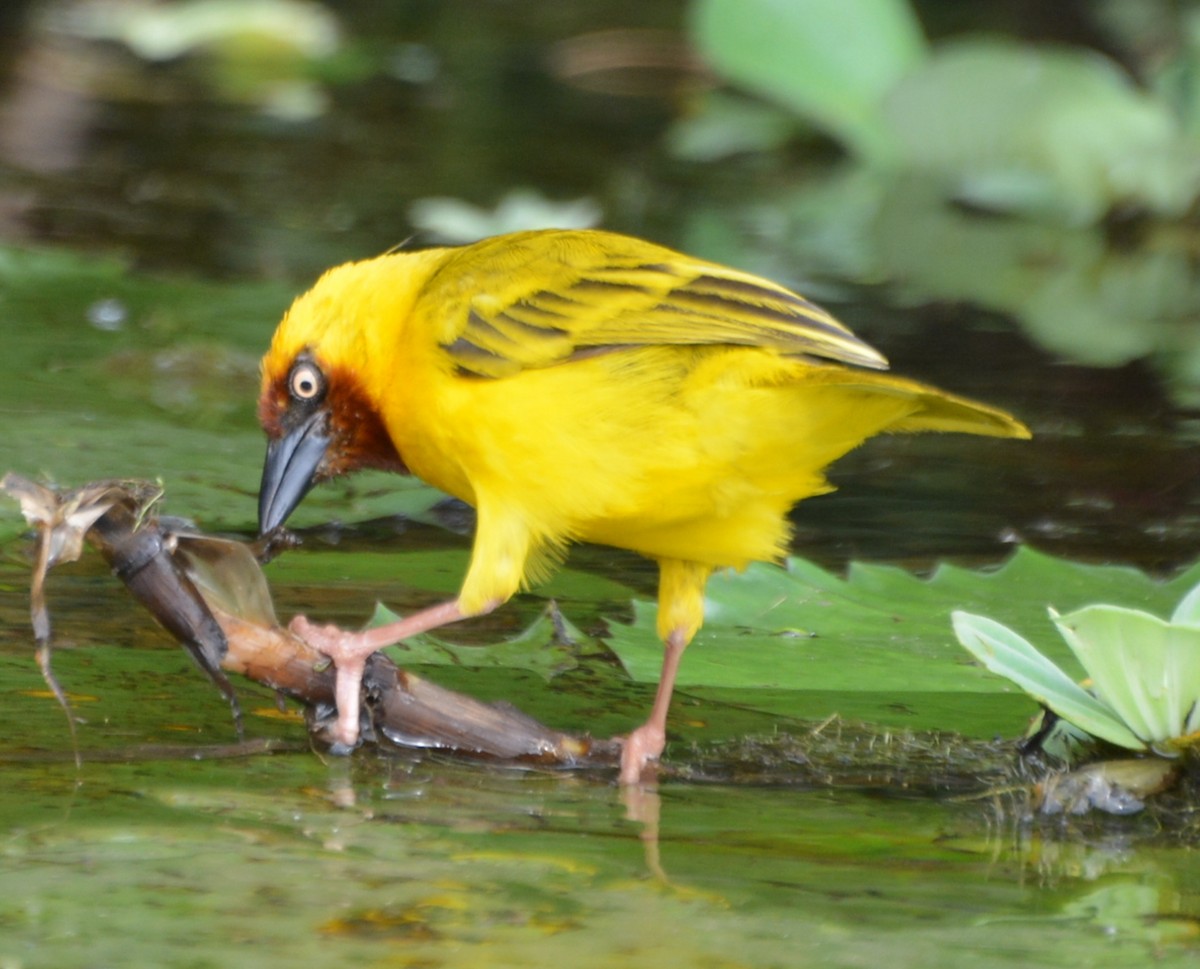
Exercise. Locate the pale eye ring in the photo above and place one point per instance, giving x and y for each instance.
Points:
(306, 382)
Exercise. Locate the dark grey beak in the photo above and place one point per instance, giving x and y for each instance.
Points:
(290, 470)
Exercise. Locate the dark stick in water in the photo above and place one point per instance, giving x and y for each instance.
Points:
(212, 596)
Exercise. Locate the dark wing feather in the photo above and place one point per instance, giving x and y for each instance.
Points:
(538, 298)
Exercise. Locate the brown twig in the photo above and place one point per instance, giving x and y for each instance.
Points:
(211, 595)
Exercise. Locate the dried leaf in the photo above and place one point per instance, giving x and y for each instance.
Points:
(61, 522)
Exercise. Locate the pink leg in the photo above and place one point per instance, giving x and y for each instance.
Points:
(349, 652)
(646, 743)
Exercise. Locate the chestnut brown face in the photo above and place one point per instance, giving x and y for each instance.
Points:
(319, 424)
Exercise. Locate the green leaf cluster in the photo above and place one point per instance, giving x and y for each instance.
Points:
(1053, 131)
(832, 63)
(1144, 671)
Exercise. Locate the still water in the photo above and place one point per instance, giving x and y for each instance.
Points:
(157, 215)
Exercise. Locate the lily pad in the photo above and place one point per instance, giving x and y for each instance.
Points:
(879, 632)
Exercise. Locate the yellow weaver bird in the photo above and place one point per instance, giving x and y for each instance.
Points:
(577, 386)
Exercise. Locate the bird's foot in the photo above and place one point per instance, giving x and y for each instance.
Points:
(349, 655)
(641, 748)
(350, 652)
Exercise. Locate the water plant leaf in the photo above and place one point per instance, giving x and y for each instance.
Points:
(1187, 613)
(725, 125)
(1040, 129)
(1147, 670)
(455, 222)
(1005, 652)
(829, 62)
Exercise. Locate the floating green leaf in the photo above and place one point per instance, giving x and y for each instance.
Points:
(878, 641)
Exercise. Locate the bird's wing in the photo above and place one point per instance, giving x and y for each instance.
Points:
(540, 298)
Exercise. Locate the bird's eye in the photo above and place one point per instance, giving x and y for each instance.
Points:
(306, 382)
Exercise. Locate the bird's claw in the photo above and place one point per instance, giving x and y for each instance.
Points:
(349, 658)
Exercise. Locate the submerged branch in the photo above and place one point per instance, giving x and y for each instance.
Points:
(211, 595)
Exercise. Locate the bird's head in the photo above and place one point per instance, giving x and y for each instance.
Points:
(316, 407)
